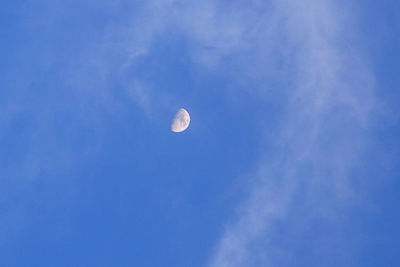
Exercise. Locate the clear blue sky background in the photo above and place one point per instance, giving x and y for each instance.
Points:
(291, 159)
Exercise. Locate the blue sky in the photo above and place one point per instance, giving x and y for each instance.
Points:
(291, 158)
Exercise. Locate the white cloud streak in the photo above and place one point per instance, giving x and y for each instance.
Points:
(324, 131)
(313, 45)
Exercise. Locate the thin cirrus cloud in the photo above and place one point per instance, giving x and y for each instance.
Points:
(322, 122)
(323, 136)
(323, 130)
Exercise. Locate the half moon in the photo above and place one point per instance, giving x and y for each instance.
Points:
(181, 121)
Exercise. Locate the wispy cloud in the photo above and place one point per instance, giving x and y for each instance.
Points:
(312, 45)
(321, 139)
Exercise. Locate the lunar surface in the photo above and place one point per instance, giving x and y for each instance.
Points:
(181, 121)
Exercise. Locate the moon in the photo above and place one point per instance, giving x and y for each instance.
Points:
(181, 121)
